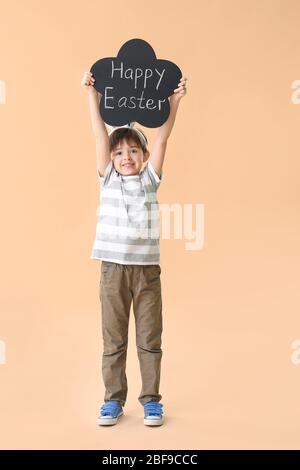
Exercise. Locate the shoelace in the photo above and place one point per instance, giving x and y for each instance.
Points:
(153, 408)
(110, 407)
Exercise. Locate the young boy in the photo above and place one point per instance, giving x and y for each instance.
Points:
(127, 242)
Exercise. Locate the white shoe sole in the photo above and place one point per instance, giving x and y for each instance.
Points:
(108, 420)
(153, 421)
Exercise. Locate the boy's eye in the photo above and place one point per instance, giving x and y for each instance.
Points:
(117, 153)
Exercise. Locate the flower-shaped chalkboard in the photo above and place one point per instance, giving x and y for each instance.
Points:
(135, 85)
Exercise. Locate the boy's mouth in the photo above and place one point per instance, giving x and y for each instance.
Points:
(128, 164)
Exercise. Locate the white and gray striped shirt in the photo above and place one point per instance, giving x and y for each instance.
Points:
(128, 227)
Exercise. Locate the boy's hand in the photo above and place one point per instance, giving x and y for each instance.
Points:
(180, 92)
(87, 82)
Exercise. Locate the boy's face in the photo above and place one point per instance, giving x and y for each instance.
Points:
(128, 157)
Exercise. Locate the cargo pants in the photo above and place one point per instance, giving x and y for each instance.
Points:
(120, 285)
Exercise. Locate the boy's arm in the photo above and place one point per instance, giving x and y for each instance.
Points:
(100, 132)
(160, 144)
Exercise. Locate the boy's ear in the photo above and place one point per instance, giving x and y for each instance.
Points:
(146, 155)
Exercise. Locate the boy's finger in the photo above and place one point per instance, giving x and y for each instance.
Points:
(180, 89)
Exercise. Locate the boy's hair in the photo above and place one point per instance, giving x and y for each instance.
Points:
(127, 133)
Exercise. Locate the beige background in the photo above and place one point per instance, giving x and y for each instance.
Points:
(231, 310)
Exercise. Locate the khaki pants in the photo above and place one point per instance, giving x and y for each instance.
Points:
(119, 286)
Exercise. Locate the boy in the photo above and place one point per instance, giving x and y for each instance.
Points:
(130, 269)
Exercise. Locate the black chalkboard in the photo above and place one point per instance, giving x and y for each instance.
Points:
(135, 85)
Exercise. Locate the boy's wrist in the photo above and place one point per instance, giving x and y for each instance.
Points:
(174, 100)
(93, 91)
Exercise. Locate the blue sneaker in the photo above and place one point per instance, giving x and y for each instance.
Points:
(110, 412)
(153, 413)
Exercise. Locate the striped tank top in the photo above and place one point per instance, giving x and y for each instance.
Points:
(128, 223)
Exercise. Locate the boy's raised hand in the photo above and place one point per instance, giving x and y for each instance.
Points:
(181, 91)
(87, 82)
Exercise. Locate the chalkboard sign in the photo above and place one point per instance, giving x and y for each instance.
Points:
(135, 85)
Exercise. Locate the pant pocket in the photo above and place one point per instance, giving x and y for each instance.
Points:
(152, 272)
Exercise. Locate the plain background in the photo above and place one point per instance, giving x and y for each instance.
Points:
(231, 309)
